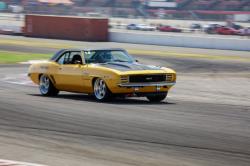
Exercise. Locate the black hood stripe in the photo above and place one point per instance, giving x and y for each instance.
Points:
(124, 66)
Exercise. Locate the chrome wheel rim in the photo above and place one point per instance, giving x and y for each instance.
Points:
(44, 84)
(100, 89)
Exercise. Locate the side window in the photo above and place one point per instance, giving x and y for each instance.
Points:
(67, 57)
(75, 57)
(64, 58)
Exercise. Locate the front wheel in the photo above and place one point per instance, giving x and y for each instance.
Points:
(46, 87)
(101, 91)
(157, 97)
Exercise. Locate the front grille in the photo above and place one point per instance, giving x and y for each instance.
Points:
(124, 79)
(147, 78)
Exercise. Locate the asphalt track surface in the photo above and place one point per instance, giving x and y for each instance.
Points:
(204, 122)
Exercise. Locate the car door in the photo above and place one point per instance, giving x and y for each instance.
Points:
(69, 76)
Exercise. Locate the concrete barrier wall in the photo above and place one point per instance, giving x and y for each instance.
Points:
(66, 27)
(181, 41)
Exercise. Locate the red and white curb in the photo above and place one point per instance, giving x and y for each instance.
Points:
(16, 163)
(20, 79)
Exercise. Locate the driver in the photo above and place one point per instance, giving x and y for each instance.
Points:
(77, 59)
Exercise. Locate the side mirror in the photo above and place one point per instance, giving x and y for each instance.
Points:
(136, 60)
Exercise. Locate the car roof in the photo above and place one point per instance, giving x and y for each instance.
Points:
(93, 49)
(105, 49)
(58, 53)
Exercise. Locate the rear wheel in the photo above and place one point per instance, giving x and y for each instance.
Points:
(157, 97)
(101, 91)
(46, 87)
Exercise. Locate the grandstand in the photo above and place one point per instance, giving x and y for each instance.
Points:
(184, 9)
(225, 5)
(202, 9)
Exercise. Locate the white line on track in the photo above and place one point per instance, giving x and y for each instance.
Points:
(19, 79)
(16, 163)
(33, 62)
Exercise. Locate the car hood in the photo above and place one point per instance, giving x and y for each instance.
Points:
(124, 66)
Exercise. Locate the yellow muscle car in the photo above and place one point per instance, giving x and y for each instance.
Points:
(103, 73)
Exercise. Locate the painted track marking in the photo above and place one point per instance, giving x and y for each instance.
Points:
(16, 163)
(19, 79)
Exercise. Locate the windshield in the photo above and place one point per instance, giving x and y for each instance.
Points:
(105, 56)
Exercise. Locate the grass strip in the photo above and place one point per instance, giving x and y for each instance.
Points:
(15, 57)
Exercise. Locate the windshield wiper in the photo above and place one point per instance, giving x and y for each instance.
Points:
(117, 60)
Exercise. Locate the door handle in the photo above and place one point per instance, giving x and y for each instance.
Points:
(85, 73)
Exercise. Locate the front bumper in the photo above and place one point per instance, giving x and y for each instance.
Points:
(146, 84)
(128, 88)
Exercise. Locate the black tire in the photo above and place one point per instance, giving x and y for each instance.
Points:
(46, 87)
(101, 91)
(157, 97)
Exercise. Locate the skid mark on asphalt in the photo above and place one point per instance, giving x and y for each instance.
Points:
(19, 79)
(16, 163)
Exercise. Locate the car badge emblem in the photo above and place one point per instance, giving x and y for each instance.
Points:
(149, 78)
